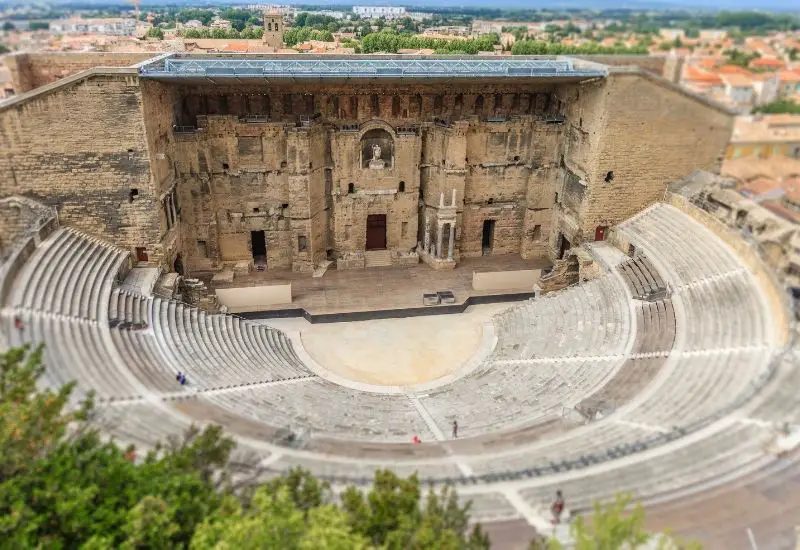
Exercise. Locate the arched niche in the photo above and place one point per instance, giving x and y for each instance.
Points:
(377, 149)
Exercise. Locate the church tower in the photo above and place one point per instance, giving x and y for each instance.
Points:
(273, 29)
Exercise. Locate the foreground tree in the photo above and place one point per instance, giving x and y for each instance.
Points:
(63, 486)
(614, 527)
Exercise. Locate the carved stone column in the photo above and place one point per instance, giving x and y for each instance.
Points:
(439, 237)
(452, 241)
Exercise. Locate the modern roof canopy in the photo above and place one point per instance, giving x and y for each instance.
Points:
(369, 67)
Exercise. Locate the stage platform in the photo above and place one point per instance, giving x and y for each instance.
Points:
(375, 290)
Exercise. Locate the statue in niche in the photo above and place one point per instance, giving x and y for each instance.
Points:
(376, 163)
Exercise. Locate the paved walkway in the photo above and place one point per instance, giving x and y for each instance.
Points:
(394, 352)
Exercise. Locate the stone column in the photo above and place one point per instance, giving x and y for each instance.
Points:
(452, 238)
(426, 243)
(454, 197)
(441, 200)
(439, 238)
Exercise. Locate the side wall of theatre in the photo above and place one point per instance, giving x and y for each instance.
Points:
(83, 148)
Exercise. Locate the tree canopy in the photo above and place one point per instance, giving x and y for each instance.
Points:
(390, 41)
(780, 106)
(63, 486)
(539, 47)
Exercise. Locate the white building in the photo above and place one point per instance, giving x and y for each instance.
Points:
(374, 12)
(113, 25)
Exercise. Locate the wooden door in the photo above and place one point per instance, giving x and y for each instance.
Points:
(600, 233)
(376, 232)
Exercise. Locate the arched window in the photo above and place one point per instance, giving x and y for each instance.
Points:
(269, 26)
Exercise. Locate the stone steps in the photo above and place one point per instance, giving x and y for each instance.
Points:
(377, 258)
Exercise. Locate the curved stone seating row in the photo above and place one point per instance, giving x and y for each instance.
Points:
(504, 396)
(69, 273)
(642, 278)
(327, 410)
(216, 350)
(591, 319)
(128, 308)
(721, 454)
(75, 349)
(693, 252)
(655, 323)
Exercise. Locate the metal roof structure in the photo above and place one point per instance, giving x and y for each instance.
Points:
(324, 67)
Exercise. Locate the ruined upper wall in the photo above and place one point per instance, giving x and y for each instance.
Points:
(80, 145)
(651, 64)
(29, 71)
(641, 133)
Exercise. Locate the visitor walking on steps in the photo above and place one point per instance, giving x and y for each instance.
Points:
(557, 508)
(19, 325)
(455, 429)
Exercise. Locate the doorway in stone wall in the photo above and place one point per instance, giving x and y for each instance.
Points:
(376, 232)
(258, 244)
(487, 240)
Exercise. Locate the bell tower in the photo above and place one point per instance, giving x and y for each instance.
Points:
(273, 29)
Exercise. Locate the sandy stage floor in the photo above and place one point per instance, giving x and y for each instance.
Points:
(394, 351)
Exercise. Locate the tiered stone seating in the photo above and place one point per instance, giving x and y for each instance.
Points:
(591, 319)
(642, 278)
(75, 349)
(660, 472)
(127, 308)
(71, 274)
(500, 396)
(220, 350)
(328, 410)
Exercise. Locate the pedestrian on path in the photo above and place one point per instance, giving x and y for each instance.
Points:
(455, 429)
(558, 507)
(19, 325)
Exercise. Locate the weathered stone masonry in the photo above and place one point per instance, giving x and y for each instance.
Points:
(529, 165)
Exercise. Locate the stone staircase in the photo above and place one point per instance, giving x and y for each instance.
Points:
(377, 258)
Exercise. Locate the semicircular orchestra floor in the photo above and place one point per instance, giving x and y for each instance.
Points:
(394, 352)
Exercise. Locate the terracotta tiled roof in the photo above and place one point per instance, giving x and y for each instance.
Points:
(789, 76)
(737, 80)
(694, 74)
(767, 63)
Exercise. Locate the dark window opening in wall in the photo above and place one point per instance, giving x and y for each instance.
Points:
(498, 103)
(516, 158)
(351, 187)
(536, 234)
(302, 243)
(401, 187)
(287, 104)
(600, 233)
(223, 105)
(515, 102)
(335, 106)
(555, 200)
(258, 244)
(133, 194)
(418, 104)
(403, 229)
(375, 104)
(438, 101)
(487, 237)
(202, 249)
(490, 201)
(225, 166)
(177, 265)
(395, 106)
(479, 105)
(609, 177)
(563, 246)
(141, 254)
(256, 210)
(459, 101)
(580, 123)
(353, 106)
(130, 150)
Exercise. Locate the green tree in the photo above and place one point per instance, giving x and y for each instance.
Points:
(8, 26)
(780, 106)
(612, 527)
(155, 32)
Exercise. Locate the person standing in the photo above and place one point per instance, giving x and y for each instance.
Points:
(558, 507)
(455, 429)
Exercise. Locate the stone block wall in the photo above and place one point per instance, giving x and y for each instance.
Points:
(29, 71)
(83, 148)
